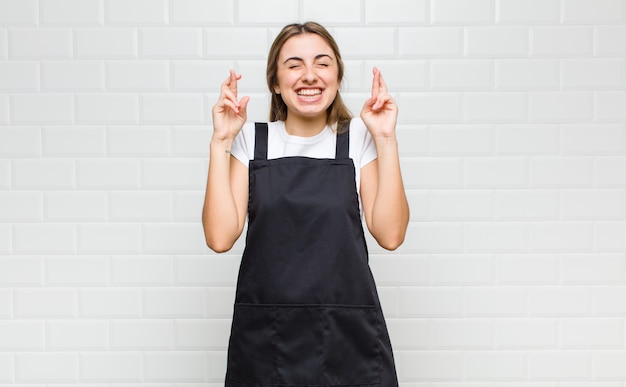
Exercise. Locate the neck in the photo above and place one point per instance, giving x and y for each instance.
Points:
(304, 126)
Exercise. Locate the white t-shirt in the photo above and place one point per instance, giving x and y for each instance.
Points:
(321, 146)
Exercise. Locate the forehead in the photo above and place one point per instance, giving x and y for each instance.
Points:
(304, 46)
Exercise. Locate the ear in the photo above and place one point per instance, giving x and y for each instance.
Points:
(276, 89)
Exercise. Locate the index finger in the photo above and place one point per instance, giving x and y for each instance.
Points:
(376, 82)
(231, 81)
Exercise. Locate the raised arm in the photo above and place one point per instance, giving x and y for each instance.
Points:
(382, 191)
(226, 198)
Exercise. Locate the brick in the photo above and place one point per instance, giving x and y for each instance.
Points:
(144, 270)
(4, 109)
(409, 333)
(75, 206)
(179, 173)
(593, 139)
(240, 42)
(527, 269)
(526, 139)
(345, 12)
(254, 73)
(109, 238)
(173, 108)
(496, 106)
(220, 302)
(526, 204)
(22, 335)
(460, 140)
(557, 106)
(108, 174)
(46, 367)
(560, 172)
(501, 41)
(430, 42)
(431, 301)
(19, 76)
(175, 366)
(110, 108)
(461, 12)
(496, 172)
(595, 74)
(526, 333)
(46, 238)
(432, 172)
(201, 76)
(427, 366)
(109, 43)
(457, 74)
(141, 206)
(18, 12)
(43, 174)
(496, 365)
(394, 12)
(86, 141)
(610, 40)
(40, 43)
(592, 269)
(21, 271)
(368, 42)
(461, 334)
(610, 171)
(559, 365)
(4, 45)
(560, 236)
(400, 270)
(592, 204)
(174, 302)
(42, 108)
(45, 303)
(77, 271)
(72, 76)
(467, 269)
(5, 240)
(202, 334)
(609, 365)
(559, 301)
(201, 12)
(596, 12)
(111, 366)
(142, 334)
(413, 140)
(441, 107)
(180, 238)
(109, 303)
(462, 205)
(136, 12)
(191, 141)
(405, 75)
(527, 11)
(591, 333)
(559, 41)
(170, 43)
(20, 206)
(609, 106)
(137, 76)
(271, 12)
(201, 270)
(138, 141)
(496, 237)
(187, 205)
(22, 141)
(527, 74)
(609, 301)
(495, 301)
(609, 236)
(73, 335)
(83, 12)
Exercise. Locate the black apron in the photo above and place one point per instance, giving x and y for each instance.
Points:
(306, 308)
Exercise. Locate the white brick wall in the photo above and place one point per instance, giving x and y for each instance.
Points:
(512, 135)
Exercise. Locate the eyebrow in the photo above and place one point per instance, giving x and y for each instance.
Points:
(300, 59)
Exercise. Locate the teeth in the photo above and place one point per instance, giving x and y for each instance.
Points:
(309, 92)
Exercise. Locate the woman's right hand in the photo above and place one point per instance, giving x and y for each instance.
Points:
(229, 114)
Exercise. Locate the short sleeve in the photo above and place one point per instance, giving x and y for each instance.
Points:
(243, 145)
(362, 146)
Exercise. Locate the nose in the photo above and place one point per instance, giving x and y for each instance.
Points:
(309, 75)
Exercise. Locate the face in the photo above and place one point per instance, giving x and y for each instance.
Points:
(307, 75)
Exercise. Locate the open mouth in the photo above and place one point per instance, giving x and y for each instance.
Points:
(309, 94)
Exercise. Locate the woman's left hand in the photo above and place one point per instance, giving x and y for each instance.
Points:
(380, 112)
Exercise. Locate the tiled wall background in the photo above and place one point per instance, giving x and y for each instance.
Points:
(512, 130)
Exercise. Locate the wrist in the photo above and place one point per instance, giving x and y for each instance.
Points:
(221, 145)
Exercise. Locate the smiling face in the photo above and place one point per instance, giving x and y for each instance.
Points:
(307, 76)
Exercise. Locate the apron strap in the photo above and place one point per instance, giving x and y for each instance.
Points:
(342, 150)
(260, 140)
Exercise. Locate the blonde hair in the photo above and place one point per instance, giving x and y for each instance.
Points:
(337, 111)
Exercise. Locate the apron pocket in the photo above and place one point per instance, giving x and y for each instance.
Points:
(251, 352)
(352, 345)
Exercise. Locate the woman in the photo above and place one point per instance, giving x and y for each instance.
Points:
(306, 308)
